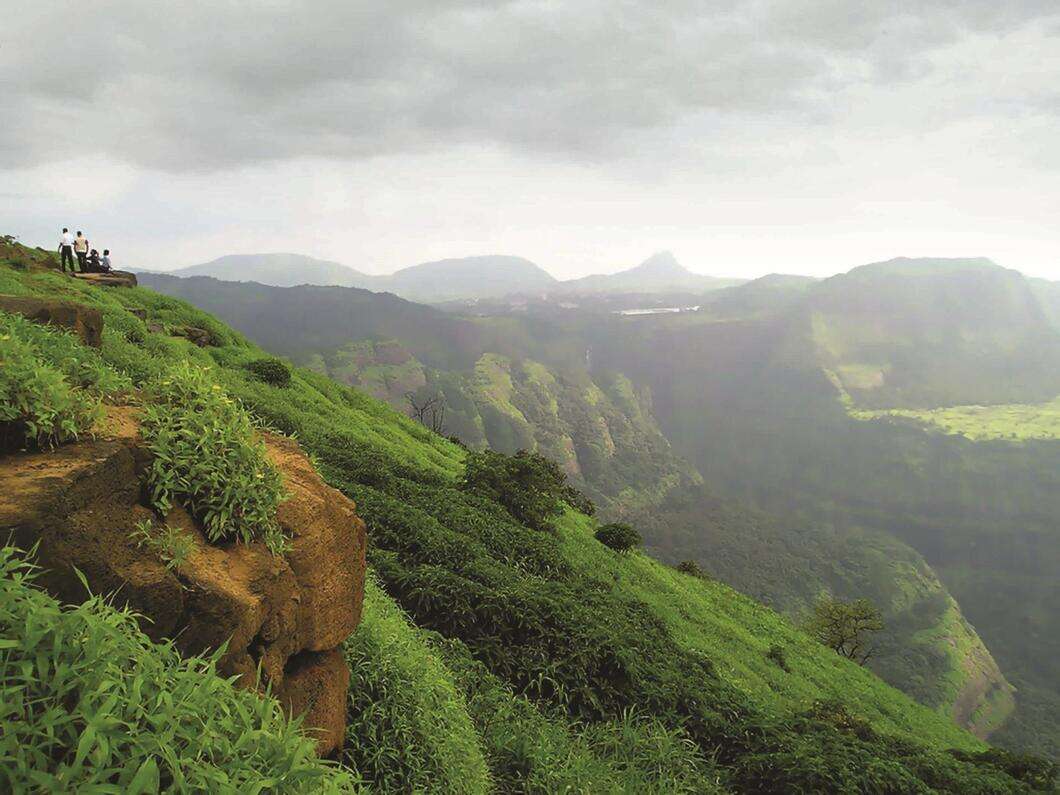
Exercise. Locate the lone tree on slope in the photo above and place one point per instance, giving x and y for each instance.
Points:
(846, 627)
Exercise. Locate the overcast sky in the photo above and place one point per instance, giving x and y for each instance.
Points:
(747, 137)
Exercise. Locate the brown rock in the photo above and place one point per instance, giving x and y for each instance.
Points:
(315, 687)
(109, 279)
(283, 616)
(194, 334)
(137, 312)
(84, 321)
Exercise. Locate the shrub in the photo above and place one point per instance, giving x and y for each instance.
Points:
(169, 543)
(618, 536)
(271, 371)
(89, 704)
(531, 487)
(777, 655)
(691, 568)
(207, 455)
(38, 406)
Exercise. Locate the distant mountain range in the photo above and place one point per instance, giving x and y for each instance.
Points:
(463, 278)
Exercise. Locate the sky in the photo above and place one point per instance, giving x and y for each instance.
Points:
(748, 137)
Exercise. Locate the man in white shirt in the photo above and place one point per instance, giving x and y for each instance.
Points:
(105, 262)
(81, 250)
(66, 250)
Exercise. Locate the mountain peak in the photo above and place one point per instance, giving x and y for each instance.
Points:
(662, 263)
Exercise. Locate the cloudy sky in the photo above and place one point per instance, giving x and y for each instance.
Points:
(747, 136)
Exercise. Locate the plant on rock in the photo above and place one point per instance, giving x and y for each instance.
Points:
(618, 536)
(207, 455)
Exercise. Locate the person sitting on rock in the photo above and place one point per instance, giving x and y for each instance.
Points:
(104, 263)
(94, 265)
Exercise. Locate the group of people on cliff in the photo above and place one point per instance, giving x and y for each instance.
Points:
(88, 259)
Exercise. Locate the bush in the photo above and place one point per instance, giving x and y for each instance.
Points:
(207, 455)
(777, 655)
(691, 568)
(172, 545)
(38, 405)
(619, 537)
(89, 704)
(531, 487)
(271, 371)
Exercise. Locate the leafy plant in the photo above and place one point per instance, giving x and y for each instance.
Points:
(38, 405)
(205, 453)
(89, 704)
(618, 536)
(271, 371)
(170, 544)
(691, 568)
(777, 655)
(845, 627)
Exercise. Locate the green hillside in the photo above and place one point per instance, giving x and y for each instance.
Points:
(556, 662)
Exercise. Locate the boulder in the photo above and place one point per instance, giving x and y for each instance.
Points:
(109, 279)
(193, 334)
(84, 321)
(282, 616)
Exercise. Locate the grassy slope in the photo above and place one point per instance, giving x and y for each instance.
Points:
(361, 438)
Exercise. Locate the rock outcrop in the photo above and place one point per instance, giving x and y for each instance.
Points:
(84, 321)
(283, 616)
(109, 279)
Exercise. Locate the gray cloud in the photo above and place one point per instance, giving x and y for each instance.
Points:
(212, 85)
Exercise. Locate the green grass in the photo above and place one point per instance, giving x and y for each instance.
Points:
(89, 704)
(1012, 422)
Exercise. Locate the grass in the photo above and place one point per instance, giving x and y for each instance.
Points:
(1011, 422)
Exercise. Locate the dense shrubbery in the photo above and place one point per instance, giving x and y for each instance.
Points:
(206, 455)
(691, 568)
(271, 371)
(88, 703)
(618, 536)
(533, 488)
(50, 385)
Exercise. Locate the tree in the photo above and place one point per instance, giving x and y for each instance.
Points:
(429, 410)
(845, 627)
(619, 536)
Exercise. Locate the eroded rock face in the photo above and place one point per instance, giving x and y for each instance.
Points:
(109, 279)
(286, 616)
(84, 321)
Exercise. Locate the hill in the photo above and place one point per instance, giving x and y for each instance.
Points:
(469, 277)
(283, 270)
(511, 383)
(542, 659)
(660, 273)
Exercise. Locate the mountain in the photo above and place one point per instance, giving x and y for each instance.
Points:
(281, 270)
(490, 657)
(469, 277)
(659, 273)
(524, 382)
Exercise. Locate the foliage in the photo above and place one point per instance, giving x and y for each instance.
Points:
(206, 455)
(88, 703)
(777, 655)
(619, 536)
(38, 404)
(531, 487)
(845, 627)
(408, 728)
(691, 568)
(272, 371)
(172, 545)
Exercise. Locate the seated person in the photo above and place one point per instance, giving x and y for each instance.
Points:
(93, 264)
(105, 262)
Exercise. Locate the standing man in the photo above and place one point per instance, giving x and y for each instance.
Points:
(66, 250)
(81, 249)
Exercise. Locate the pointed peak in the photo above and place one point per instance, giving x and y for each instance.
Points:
(662, 263)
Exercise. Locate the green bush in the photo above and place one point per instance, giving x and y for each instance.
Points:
(89, 704)
(207, 455)
(38, 405)
(618, 536)
(271, 371)
(172, 545)
(691, 568)
(531, 487)
(777, 655)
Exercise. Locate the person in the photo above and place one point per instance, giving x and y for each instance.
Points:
(66, 250)
(93, 262)
(81, 249)
(104, 263)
